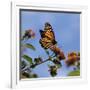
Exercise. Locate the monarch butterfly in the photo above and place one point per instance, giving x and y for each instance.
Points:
(48, 41)
(47, 36)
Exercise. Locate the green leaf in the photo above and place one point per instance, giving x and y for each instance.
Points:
(34, 76)
(53, 70)
(53, 74)
(33, 66)
(25, 75)
(29, 59)
(74, 73)
(58, 65)
(38, 60)
(30, 46)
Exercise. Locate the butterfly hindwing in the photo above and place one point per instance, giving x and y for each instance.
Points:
(45, 44)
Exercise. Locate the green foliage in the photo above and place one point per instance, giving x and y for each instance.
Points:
(53, 74)
(28, 75)
(30, 46)
(57, 63)
(33, 66)
(53, 71)
(74, 73)
(23, 64)
(34, 76)
(29, 59)
(25, 75)
(38, 60)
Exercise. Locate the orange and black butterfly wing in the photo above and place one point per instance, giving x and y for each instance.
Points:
(45, 43)
(42, 33)
(50, 35)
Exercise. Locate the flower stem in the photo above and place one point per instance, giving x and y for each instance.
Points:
(40, 63)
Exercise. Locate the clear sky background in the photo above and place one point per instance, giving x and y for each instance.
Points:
(66, 27)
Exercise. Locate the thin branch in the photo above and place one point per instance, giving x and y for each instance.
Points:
(40, 63)
(44, 62)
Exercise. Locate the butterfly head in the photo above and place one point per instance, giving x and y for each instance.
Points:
(47, 26)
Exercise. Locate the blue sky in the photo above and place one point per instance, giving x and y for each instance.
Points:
(66, 27)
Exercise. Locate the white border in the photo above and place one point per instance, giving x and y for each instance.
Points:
(15, 82)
